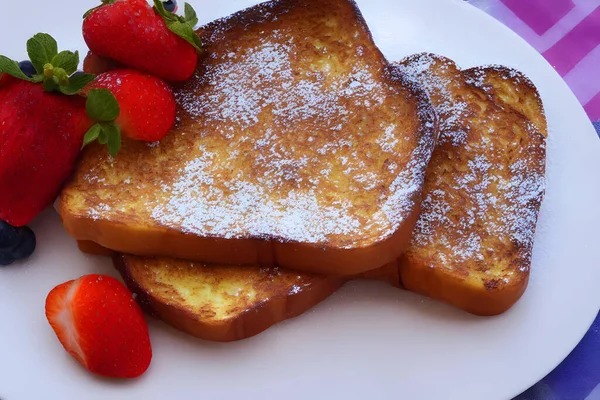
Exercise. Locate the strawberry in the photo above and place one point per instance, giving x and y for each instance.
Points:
(99, 323)
(41, 128)
(146, 38)
(94, 64)
(146, 107)
(40, 137)
(4, 78)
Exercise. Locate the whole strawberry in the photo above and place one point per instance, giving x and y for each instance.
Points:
(99, 323)
(146, 106)
(149, 39)
(40, 137)
(94, 64)
(41, 128)
(4, 78)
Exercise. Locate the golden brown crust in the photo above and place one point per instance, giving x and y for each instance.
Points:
(510, 88)
(221, 303)
(472, 244)
(294, 147)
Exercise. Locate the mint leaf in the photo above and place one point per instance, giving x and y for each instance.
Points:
(186, 32)
(66, 60)
(190, 15)
(76, 83)
(102, 106)
(12, 68)
(92, 134)
(114, 138)
(41, 49)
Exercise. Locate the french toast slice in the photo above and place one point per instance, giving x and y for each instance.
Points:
(295, 146)
(226, 303)
(473, 242)
(221, 303)
(510, 88)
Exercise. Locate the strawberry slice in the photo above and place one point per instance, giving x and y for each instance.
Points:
(98, 322)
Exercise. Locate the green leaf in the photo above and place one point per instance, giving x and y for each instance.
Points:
(190, 15)
(41, 49)
(12, 68)
(102, 106)
(37, 78)
(92, 134)
(76, 83)
(114, 138)
(159, 7)
(181, 26)
(50, 85)
(103, 138)
(186, 32)
(66, 60)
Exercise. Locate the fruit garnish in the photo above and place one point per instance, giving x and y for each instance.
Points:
(16, 243)
(149, 39)
(144, 108)
(40, 138)
(99, 323)
(94, 64)
(27, 68)
(43, 120)
(49, 67)
(170, 5)
(182, 26)
(102, 106)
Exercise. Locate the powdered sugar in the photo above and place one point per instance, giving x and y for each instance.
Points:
(498, 201)
(284, 150)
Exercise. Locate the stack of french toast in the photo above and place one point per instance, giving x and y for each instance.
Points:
(302, 159)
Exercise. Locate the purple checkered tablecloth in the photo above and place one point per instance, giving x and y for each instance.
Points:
(567, 34)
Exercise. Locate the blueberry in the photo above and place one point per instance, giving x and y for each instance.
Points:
(6, 259)
(15, 243)
(170, 5)
(27, 68)
(9, 235)
(26, 244)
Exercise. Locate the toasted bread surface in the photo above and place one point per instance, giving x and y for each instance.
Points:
(221, 303)
(510, 88)
(295, 146)
(472, 244)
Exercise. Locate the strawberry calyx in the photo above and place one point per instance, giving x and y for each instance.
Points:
(102, 106)
(56, 71)
(182, 26)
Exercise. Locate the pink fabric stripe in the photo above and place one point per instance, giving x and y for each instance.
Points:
(593, 108)
(584, 78)
(576, 44)
(540, 15)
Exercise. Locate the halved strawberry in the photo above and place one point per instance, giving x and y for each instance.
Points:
(99, 323)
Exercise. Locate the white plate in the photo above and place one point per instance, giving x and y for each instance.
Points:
(368, 340)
